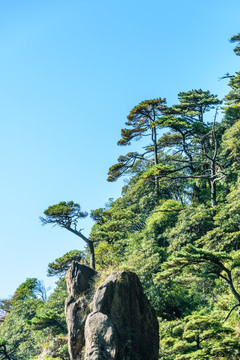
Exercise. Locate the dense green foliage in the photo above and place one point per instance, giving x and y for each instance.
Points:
(31, 322)
(177, 225)
(141, 122)
(183, 240)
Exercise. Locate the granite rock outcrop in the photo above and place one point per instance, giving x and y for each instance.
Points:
(115, 323)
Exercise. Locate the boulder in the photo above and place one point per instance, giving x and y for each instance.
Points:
(100, 337)
(123, 325)
(115, 323)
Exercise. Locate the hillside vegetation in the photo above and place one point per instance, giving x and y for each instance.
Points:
(176, 225)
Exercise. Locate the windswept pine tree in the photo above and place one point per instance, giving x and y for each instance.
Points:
(191, 145)
(141, 122)
(66, 215)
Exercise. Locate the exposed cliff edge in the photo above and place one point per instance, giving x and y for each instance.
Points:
(116, 323)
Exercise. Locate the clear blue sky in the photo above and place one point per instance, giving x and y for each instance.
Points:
(70, 72)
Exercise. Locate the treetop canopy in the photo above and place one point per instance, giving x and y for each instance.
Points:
(63, 214)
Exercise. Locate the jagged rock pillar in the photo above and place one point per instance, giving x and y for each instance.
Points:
(78, 279)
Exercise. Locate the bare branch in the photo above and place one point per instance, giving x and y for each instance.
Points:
(231, 312)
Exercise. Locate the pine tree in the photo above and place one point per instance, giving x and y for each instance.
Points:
(66, 215)
(141, 122)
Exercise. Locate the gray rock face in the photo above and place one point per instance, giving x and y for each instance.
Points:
(122, 326)
(78, 279)
(100, 337)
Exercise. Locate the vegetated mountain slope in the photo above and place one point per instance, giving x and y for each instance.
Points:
(177, 225)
